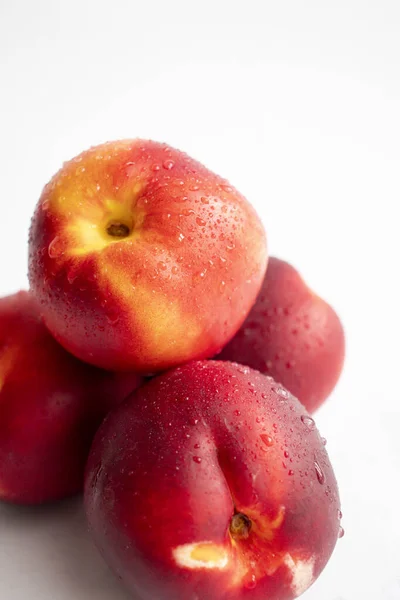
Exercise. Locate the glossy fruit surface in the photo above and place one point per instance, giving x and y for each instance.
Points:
(142, 258)
(292, 335)
(51, 405)
(212, 481)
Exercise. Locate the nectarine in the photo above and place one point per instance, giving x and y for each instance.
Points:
(50, 407)
(142, 258)
(212, 481)
(292, 335)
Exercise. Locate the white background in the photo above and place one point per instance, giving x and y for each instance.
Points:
(298, 104)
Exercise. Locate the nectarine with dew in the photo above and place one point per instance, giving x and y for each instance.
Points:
(142, 258)
(212, 481)
(51, 405)
(292, 335)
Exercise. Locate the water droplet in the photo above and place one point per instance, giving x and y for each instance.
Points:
(281, 392)
(319, 472)
(194, 188)
(45, 205)
(286, 454)
(186, 212)
(181, 237)
(174, 270)
(161, 265)
(308, 422)
(155, 167)
(290, 472)
(201, 222)
(226, 188)
(197, 459)
(341, 532)
(236, 413)
(71, 276)
(55, 248)
(196, 446)
(93, 277)
(339, 514)
(266, 439)
(168, 164)
(113, 317)
(251, 583)
(324, 441)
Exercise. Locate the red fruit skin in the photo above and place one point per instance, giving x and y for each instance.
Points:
(292, 335)
(173, 463)
(172, 290)
(51, 405)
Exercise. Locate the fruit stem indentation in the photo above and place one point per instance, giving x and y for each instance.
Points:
(240, 526)
(120, 230)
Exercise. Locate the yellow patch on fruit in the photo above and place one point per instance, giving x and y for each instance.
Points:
(109, 223)
(265, 527)
(86, 237)
(262, 526)
(302, 572)
(248, 550)
(85, 199)
(89, 179)
(201, 555)
(163, 328)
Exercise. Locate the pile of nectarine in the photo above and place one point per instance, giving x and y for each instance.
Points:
(210, 480)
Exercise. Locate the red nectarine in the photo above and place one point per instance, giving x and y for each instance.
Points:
(50, 407)
(211, 481)
(142, 258)
(292, 335)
